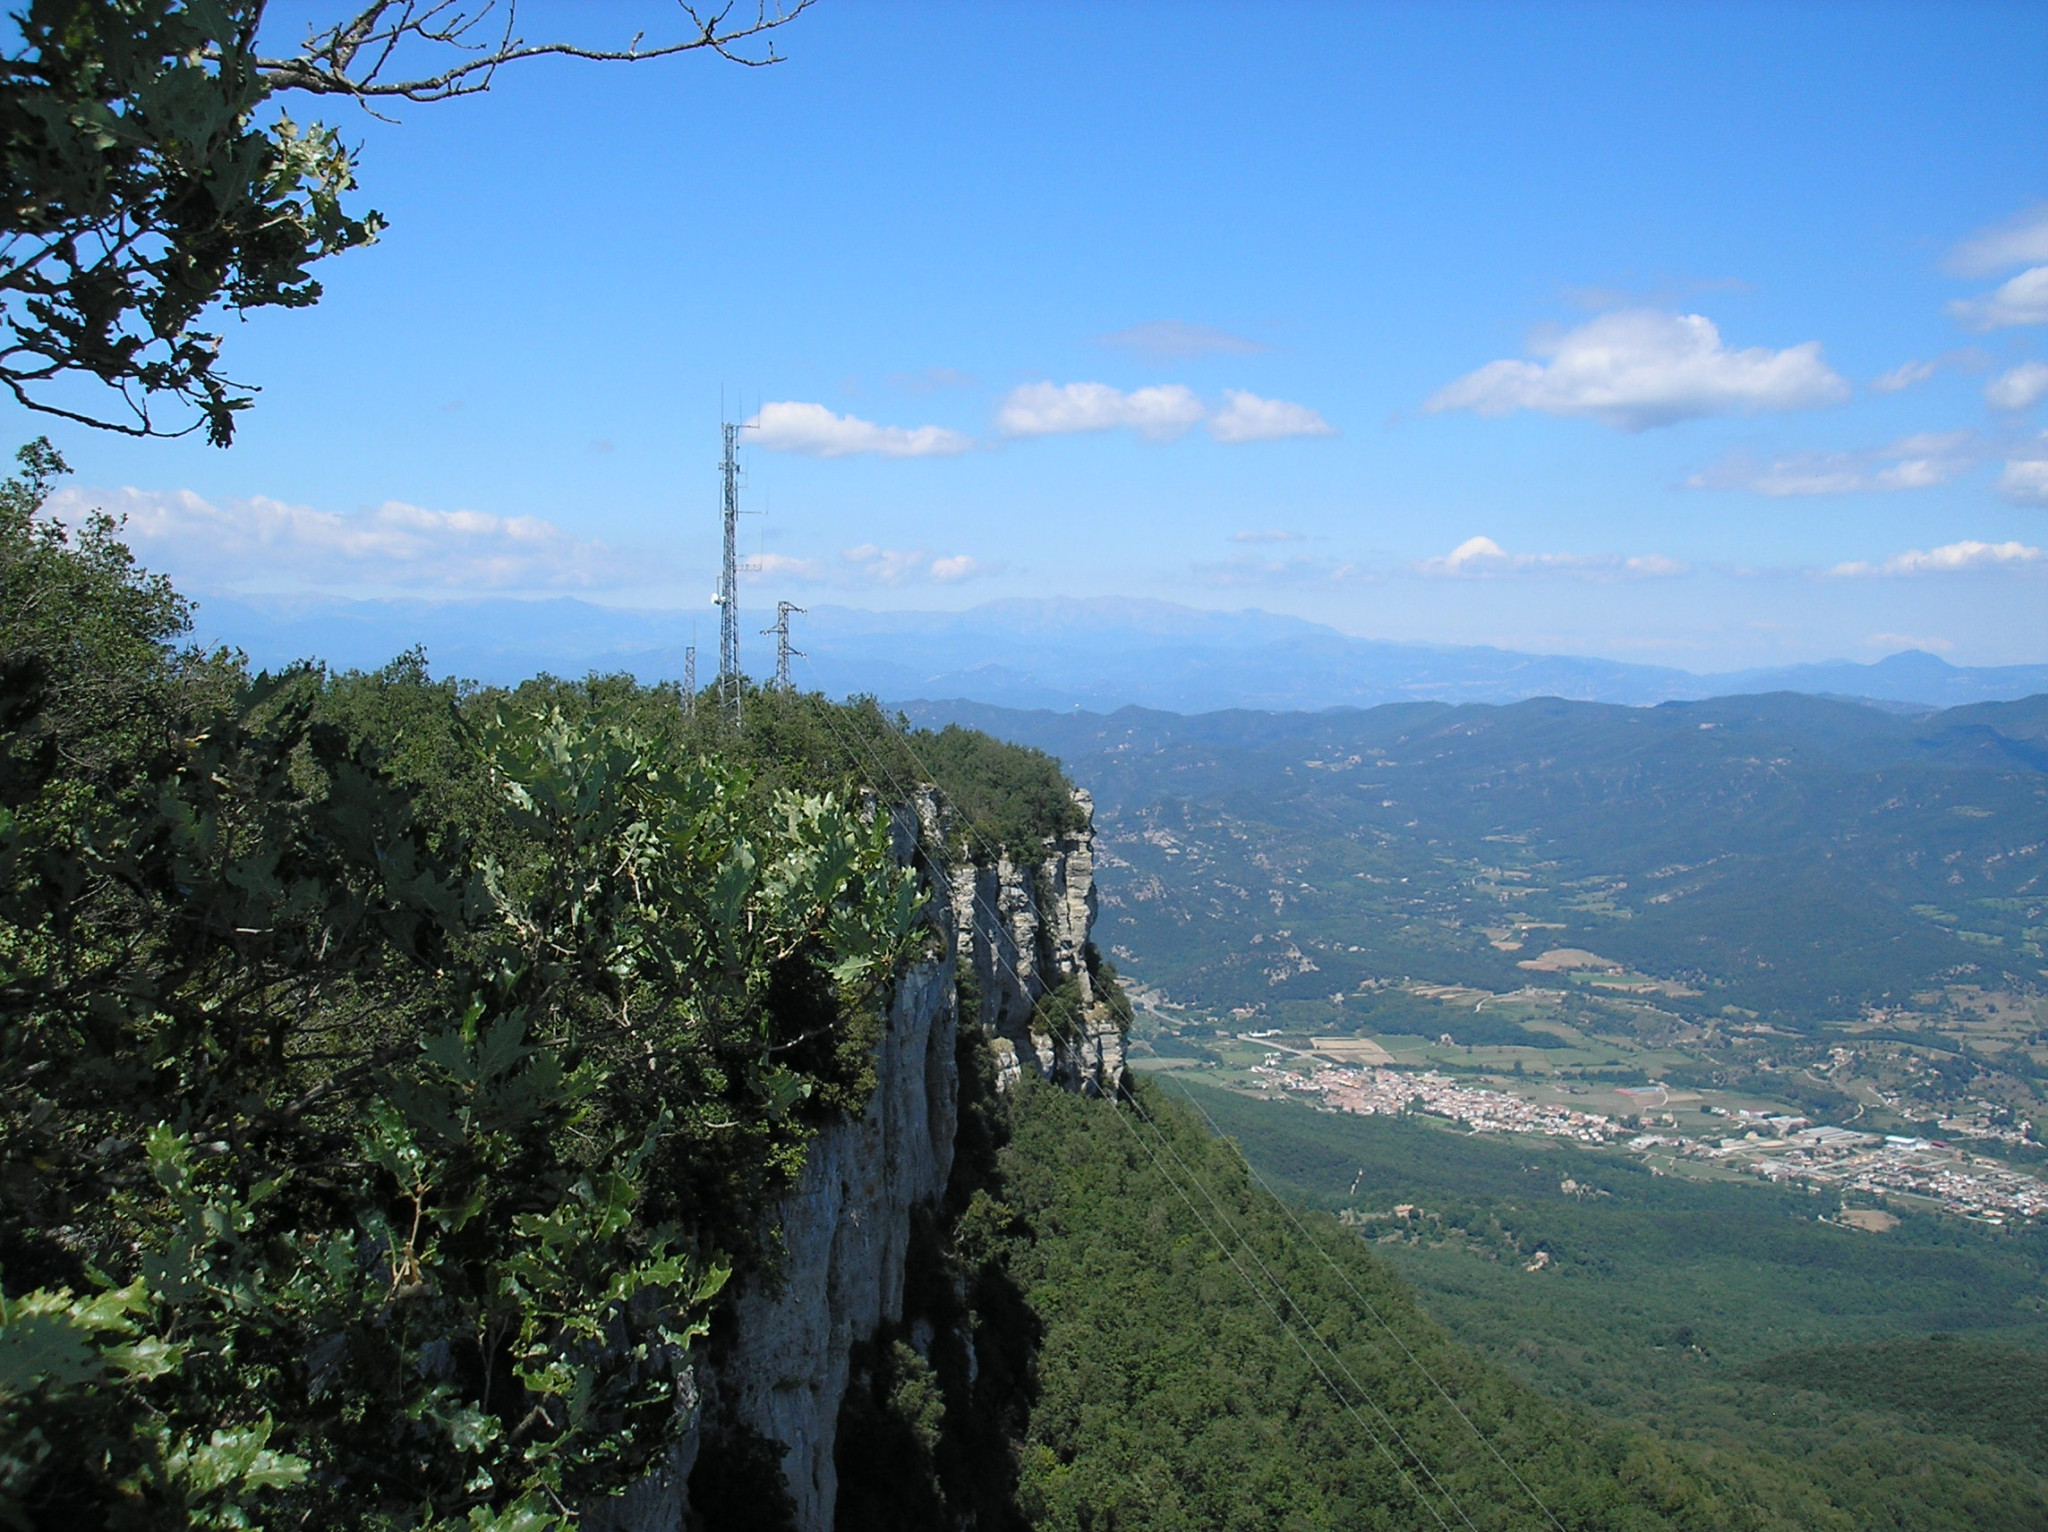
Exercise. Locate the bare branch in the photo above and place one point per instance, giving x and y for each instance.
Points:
(352, 58)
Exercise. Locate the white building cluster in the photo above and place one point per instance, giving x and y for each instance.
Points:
(1909, 1166)
(1783, 1149)
(1389, 1092)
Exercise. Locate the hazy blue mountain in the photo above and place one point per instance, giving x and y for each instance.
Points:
(1061, 653)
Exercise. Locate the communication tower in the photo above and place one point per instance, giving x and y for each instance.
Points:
(690, 682)
(728, 598)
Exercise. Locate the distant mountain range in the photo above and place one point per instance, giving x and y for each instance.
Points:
(1059, 653)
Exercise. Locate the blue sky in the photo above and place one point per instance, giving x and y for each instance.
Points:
(1708, 335)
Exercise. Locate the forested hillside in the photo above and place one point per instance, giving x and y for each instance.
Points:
(1900, 1375)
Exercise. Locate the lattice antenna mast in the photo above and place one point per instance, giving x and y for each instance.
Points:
(690, 682)
(729, 578)
(728, 597)
(783, 653)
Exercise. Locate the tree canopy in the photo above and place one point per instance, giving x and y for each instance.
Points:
(150, 178)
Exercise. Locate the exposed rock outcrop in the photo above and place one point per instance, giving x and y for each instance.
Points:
(845, 1231)
(784, 1345)
(1024, 930)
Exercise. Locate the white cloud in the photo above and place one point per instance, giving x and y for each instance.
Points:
(781, 566)
(1248, 418)
(1638, 368)
(1266, 535)
(2025, 480)
(2021, 301)
(2020, 241)
(1160, 413)
(1902, 377)
(1163, 412)
(2017, 387)
(1482, 556)
(1175, 340)
(814, 431)
(1950, 558)
(1913, 462)
(871, 564)
(265, 543)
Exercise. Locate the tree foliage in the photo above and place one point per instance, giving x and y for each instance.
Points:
(357, 1167)
(149, 179)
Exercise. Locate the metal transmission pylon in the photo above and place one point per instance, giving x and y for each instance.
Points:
(783, 653)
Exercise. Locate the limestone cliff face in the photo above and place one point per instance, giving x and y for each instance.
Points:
(783, 1351)
(845, 1232)
(1024, 929)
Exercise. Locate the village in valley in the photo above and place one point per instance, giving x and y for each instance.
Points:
(1902, 1143)
(1775, 1147)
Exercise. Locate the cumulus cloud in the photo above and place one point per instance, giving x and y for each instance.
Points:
(1163, 412)
(1248, 418)
(261, 542)
(1160, 413)
(1912, 462)
(1639, 368)
(2017, 387)
(2023, 300)
(2025, 479)
(782, 566)
(875, 565)
(814, 431)
(2020, 241)
(1175, 340)
(1478, 557)
(1950, 558)
(1902, 377)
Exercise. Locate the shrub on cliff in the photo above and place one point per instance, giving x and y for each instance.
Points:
(392, 1075)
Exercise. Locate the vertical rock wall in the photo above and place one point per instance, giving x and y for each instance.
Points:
(1024, 929)
(785, 1347)
(845, 1232)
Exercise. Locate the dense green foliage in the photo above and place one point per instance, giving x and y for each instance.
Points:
(392, 1077)
(141, 192)
(1004, 795)
(1946, 1384)
(1172, 1397)
(1703, 1310)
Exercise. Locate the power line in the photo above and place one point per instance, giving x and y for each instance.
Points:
(1280, 1318)
(1370, 1308)
(1278, 1315)
(1344, 1276)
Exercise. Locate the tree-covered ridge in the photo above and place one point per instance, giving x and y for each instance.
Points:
(1732, 1320)
(1800, 857)
(1171, 1396)
(395, 1071)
